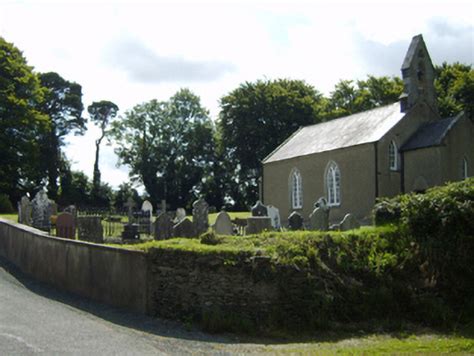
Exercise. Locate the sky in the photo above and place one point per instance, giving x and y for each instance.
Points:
(131, 52)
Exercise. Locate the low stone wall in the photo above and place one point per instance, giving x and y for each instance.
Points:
(187, 284)
(105, 274)
(195, 285)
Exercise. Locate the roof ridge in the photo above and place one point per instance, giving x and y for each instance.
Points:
(351, 115)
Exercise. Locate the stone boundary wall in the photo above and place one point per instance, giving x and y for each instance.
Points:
(174, 284)
(110, 275)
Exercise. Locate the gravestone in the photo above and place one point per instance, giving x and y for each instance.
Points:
(89, 228)
(66, 226)
(200, 216)
(349, 223)
(259, 209)
(257, 224)
(223, 224)
(24, 211)
(274, 215)
(185, 228)
(295, 221)
(319, 219)
(147, 206)
(180, 215)
(72, 210)
(41, 211)
(130, 232)
(163, 227)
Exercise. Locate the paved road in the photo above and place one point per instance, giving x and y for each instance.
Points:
(35, 318)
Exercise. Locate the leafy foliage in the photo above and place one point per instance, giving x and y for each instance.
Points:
(168, 147)
(63, 106)
(21, 124)
(255, 118)
(6, 206)
(101, 114)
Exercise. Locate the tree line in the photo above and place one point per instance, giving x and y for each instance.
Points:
(172, 147)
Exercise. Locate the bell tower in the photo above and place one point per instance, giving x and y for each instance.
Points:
(418, 76)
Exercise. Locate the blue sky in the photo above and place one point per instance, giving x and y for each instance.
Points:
(131, 52)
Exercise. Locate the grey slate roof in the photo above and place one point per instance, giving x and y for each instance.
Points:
(430, 134)
(365, 127)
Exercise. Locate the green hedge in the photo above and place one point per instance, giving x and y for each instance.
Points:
(6, 206)
(441, 224)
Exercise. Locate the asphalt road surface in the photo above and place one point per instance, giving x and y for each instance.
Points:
(38, 319)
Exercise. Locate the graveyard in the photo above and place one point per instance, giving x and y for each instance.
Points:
(247, 273)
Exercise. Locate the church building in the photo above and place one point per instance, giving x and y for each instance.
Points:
(351, 161)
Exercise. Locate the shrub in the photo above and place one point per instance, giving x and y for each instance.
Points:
(6, 206)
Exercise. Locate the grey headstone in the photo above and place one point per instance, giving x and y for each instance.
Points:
(349, 223)
(185, 228)
(89, 228)
(274, 215)
(200, 216)
(295, 221)
(258, 224)
(163, 227)
(259, 209)
(72, 210)
(41, 211)
(319, 219)
(66, 226)
(24, 211)
(223, 224)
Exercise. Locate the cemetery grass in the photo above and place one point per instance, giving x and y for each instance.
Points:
(11, 217)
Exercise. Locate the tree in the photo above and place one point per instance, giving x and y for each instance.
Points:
(167, 146)
(455, 89)
(63, 105)
(125, 191)
(349, 98)
(21, 124)
(101, 114)
(254, 119)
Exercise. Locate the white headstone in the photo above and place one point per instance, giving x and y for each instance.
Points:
(274, 215)
(180, 215)
(147, 206)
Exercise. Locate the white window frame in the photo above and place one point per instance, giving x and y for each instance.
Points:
(296, 189)
(393, 156)
(333, 184)
(464, 168)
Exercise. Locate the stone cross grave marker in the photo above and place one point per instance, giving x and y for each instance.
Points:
(274, 215)
(130, 204)
(66, 226)
(24, 211)
(223, 224)
(200, 216)
(90, 228)
(41, 211)
(163, 227)
(295, 221)
(349, 223)
(259, 209)
(185, 228)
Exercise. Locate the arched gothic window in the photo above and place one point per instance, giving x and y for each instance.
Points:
(393, 156)
(464, 168)
(333, 184)
(296, 188)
